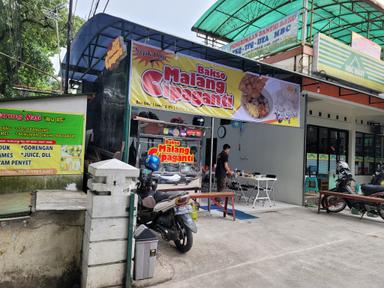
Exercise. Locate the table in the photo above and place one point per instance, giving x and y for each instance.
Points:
(257, 180)
(212, 196)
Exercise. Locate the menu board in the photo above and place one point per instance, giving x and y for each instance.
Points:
(41, 143)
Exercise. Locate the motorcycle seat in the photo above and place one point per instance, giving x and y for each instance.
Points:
(163, 196)
(369, 189)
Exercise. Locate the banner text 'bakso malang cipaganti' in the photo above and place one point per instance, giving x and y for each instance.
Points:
(173, 82)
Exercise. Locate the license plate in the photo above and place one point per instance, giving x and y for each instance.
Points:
(183, 210)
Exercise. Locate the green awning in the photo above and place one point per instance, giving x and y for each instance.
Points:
(231, 20)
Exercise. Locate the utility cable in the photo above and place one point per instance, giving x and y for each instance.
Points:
(96, 6)
(105, 7)
(90, 10)
(74, 11)
(30, 66)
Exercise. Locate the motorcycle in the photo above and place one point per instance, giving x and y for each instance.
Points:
(344, 185)
(378, 176)
(166, 213)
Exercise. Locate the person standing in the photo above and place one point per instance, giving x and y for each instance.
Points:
(222, 168)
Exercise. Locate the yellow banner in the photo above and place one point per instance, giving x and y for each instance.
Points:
(33, 159)
(173, 82)
(41, 143)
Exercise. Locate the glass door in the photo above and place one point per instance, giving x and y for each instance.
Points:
(325, 146)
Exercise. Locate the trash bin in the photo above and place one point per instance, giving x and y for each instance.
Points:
(145, 253)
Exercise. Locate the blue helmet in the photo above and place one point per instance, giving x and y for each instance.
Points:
(152, 162)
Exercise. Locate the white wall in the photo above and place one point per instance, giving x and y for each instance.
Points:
(70, 104)
(269, 149)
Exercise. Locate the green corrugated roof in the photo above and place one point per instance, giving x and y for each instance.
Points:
(231, 20)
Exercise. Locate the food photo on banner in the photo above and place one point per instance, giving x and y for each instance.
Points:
(173, 82)
(41, 143)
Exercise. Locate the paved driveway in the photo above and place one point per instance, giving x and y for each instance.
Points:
(288, 248)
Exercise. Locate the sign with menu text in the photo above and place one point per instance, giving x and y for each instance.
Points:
(40, 143)
(272, 38)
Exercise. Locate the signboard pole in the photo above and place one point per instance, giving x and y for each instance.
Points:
(211, 160)
(69, 35)
(127, 117)
(304, 26)
(305, 146)
(131, 208)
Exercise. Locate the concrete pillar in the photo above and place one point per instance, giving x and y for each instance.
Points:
(106, 223)
(352, 147)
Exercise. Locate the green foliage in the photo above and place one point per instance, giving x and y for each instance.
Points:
(28, 33)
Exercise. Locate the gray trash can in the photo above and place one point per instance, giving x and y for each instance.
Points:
(145, 253)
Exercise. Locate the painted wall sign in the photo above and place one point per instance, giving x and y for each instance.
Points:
(341, 61)
(116, 52)
(366, 46)
(40, 143)
(171, 152)
(272, 38)
(173, 82)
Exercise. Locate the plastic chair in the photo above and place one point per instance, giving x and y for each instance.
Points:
(311, 184)
(236, 186)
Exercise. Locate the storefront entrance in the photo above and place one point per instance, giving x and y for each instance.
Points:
(324, 147)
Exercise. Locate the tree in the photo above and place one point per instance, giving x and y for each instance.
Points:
(28, 33)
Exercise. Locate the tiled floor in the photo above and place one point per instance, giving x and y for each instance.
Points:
(259, 207)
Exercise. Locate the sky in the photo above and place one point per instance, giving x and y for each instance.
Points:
(171, 16)
(175, 17)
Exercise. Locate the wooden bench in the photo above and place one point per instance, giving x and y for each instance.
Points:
(213, 195)
(355, 197)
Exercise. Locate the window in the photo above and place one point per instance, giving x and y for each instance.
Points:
(359, 154)
(369, 152)
(379, 153)
(312, 149)
(324, 147)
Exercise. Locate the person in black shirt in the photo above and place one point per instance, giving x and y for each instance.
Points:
(222, 168)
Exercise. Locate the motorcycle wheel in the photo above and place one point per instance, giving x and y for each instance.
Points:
(184, 244)
(324, 199)
(335, 204)
(380, 210)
